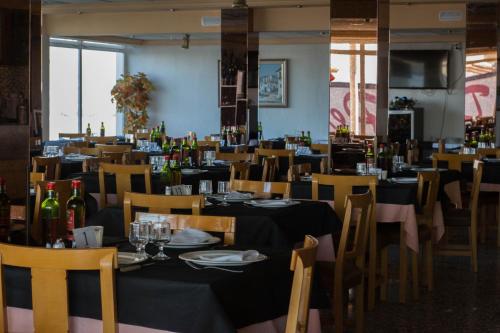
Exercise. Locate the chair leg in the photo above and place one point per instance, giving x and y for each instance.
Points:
(473, 245)
(338, 309)
(403, 267)
(359, 307)
(414, 270)
(482, 221)
(384, 271)
(429, 265)
(372, 269)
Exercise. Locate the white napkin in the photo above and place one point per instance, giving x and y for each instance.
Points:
(236, 257)
(190, 236)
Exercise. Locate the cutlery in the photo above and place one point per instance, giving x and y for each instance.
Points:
(131, 268)
(190, 264)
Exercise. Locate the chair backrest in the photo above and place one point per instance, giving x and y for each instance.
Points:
(51, 165)
(240, 170)
(159, 204)
(343, 186)
(269, 170)
(241, 149)
(441, 146)
(91, 152)
(63, 190)
(297, 170)
(49, 286)
(71, 135)
(36, 177)
(431, 180)
(116, 157)
(321, 147)
(324, 166)
(265, 144)
(102, 139)
(114, 148)
(79, 144)
(290, 153)
(138, 157)
(213, 144)
(454, 160)
(92, 164)
(302, 264)
(123, 174)
(235, 157)
(261, 188)
(358, 209)
(476, 188)
(71, 150)
(488, 152)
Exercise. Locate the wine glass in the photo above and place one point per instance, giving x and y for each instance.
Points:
(205, 187)
(160, 234)
(139, 237)
(223, 188)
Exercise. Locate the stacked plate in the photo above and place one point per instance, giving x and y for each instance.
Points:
(426, 169)
(223, 257)
(192, 171)
(404, 180)
(272, 203)
(233, 197)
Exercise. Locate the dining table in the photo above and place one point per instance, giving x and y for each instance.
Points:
(170, 296)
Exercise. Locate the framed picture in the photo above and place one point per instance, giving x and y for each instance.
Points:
(273, 83)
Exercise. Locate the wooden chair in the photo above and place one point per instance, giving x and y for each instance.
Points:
(348, 270)
(115, 157)
(240, 170)
(79, 144)
(71, 150)
(488, 152)
(36, 177)
(51, 166)
(92, 164)
(63, 190)
(159, 204)
(138, 157)
(114, 148)
(215, 224)
(297, 170)
(426, 201)
(71, 135)
(240, 149)
(302, 264)
(265, 144)
(102, 139)
(49, 287)
(234, 157)
(91, 152)
(441, 146)
(123, 174)
(275, 152)
(321, 147)
(264, 189)
(465, 218)
(454, 160)
(343, 186)
(270, 168)
(212, 144)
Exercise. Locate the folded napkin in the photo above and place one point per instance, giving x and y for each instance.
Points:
(233, 257)
(190, 236)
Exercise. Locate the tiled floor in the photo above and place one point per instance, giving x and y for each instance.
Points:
(462, 301)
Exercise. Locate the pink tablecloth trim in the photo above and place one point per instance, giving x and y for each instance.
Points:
(390, 213)
(453, 192)
(21, 321)
(438, 222)
(489, 187)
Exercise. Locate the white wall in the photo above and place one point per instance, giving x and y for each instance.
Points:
(308, 91)
(186, 88)
(443, 110)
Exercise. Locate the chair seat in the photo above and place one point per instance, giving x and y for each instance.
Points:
(457, 217)
(352, 276)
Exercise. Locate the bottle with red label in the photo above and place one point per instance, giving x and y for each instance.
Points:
(50, 217)
(4, 212)
(75, 212)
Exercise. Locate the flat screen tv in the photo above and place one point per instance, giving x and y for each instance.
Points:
(419, 69)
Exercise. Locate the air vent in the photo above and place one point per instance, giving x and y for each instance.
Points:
(450, 16)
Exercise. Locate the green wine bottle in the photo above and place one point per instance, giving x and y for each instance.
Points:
(50, 217)
(4, 212)
(194, 151)
(166, 172)
(89, 130)
(103, 129)
(162, 128)
(75, 213)
(186, 153)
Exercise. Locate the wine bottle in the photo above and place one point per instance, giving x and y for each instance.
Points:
(381, 159)
(370, 157)
(186, 153)
(194, 151)
(89, 130)
(75, 213)
(309, 140)
(165, 147)
(50, 217)
(166, 172)
(259, 129)
(162, 128)
(4, 212)
(158, 138)
(225, 137)
(103, 129)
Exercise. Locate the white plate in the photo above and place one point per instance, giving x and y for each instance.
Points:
(404, 180)
(220, 197)
(128, 258)
(194, 258)
(426, 169)
(272, 203)
(192, 171)
(211, 241)
(306, 178)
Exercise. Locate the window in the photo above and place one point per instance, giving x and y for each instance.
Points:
(82, 75)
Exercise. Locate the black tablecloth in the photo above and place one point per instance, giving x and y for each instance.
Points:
(491, 172)
(261, 227)
(172, 296)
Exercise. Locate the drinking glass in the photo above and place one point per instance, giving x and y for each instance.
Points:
(160, 235)
(205, 187)
(223, 188)
(139, 236)
(361, 168)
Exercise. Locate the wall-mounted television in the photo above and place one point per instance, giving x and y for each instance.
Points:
(418, 69)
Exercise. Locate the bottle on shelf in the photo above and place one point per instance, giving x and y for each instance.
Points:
(381, 158)
(152, 135)
(4, 212)
(165, 147)
(103, 129)
(162, 128)
(473, 142)
(308, 139)
(175, 152)
(159, 136)
(237, 135)
(259, 130)
(194, 151)
(50, 217)
(370, 157)
(75, 212)
(186, 153)
(224, 136)
(166, 172)
(89, 130)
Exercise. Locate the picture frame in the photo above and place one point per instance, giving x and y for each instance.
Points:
(273, 83)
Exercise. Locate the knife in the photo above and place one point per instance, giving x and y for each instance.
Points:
(131, 268)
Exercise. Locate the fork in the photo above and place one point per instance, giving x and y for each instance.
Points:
(190, 264)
